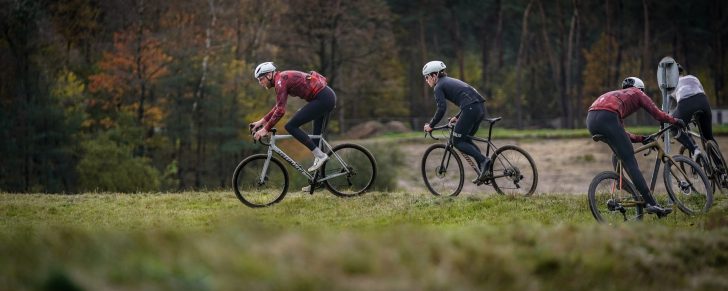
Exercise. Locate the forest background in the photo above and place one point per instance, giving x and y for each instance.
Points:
(149, 95)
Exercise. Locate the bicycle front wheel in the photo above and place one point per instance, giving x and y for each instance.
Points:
(688, 189)
(514, 171)
(350, 169)
(257, 185)
(720, 170)
(613, 200)
(442, 171)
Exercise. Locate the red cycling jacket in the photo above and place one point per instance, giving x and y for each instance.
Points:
(295, 83)
(625, 102)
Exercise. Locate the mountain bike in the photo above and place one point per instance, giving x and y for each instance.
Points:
(710, 159)
(513, 171)
(614, 199)
(261, 180)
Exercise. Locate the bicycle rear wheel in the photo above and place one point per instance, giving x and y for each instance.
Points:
(612, 202)
(514, 171)
(691, 191)
(442, 176)
(259, 187)
(720, 170)
(354, 169)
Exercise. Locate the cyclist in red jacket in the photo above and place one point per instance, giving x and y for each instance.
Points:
(309, 86)
(606, 117)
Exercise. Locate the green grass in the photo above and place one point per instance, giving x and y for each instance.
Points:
(210, 241)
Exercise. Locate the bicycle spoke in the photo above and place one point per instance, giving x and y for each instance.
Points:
(514, 171)
(613, 201)
(442, 171)
(689, 189)
(350, 170)
(258, 186)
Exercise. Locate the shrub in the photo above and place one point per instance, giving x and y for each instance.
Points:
(108, 166)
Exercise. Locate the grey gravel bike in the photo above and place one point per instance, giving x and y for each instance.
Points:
(261, 180)
(513, 171)
(613, 199)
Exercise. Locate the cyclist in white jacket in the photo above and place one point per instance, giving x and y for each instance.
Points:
(691, 98)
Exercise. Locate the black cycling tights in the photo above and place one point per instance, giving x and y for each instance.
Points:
(468, 125)
(607, 124)
(317, 110)
(685, 110)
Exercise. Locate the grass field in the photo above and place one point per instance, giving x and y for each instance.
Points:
(380, 241)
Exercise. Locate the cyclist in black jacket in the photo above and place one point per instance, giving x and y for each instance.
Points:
(472, 111)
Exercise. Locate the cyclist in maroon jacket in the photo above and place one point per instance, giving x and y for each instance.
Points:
(309, 86)
(606, 117)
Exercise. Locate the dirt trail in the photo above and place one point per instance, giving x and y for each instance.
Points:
(564, 165)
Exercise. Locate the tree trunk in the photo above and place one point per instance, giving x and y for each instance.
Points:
(140, 70)
(556, 67)
(717, 19)
(570, 94)
(646, 40)
(200, 94)
(608, 78)
(519, 63)
(620, 32)
(457, 41)
(499, 36)
(486, 43)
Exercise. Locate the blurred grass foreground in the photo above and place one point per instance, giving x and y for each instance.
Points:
(380, 241)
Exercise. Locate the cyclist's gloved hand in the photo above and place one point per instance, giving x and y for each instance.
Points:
(679, 123)
(647, 139)
(427, 127)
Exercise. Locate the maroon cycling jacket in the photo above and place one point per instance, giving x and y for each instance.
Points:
(625, 102)
(295, 83)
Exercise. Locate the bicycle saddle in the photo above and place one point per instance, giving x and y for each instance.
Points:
(493, 120)
(599, 137)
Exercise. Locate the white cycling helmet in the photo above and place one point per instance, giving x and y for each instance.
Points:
(263, 68)
(433, 67)
(633, 82)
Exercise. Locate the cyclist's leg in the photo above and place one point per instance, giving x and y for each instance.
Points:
(315, 109)
(467, 125)
(684, 111)
(320, 124)
(607, 124)
(706, 119)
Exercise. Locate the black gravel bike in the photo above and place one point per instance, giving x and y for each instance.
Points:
(261, 180)
(710, 159)
(513, 171)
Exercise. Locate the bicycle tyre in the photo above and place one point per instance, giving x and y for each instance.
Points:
(247, 186)
(360, 166)
(704, 165)
(695, 191)
(602, 192)
(720, 173)
(435, 176)
(514, 166)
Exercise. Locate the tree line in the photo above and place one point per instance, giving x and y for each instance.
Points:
(131, 95)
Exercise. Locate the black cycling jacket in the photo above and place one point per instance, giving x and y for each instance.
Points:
(457, 92)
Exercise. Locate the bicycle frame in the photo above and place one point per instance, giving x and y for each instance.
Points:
(449, 145)
(661, 157)
(272, 148)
